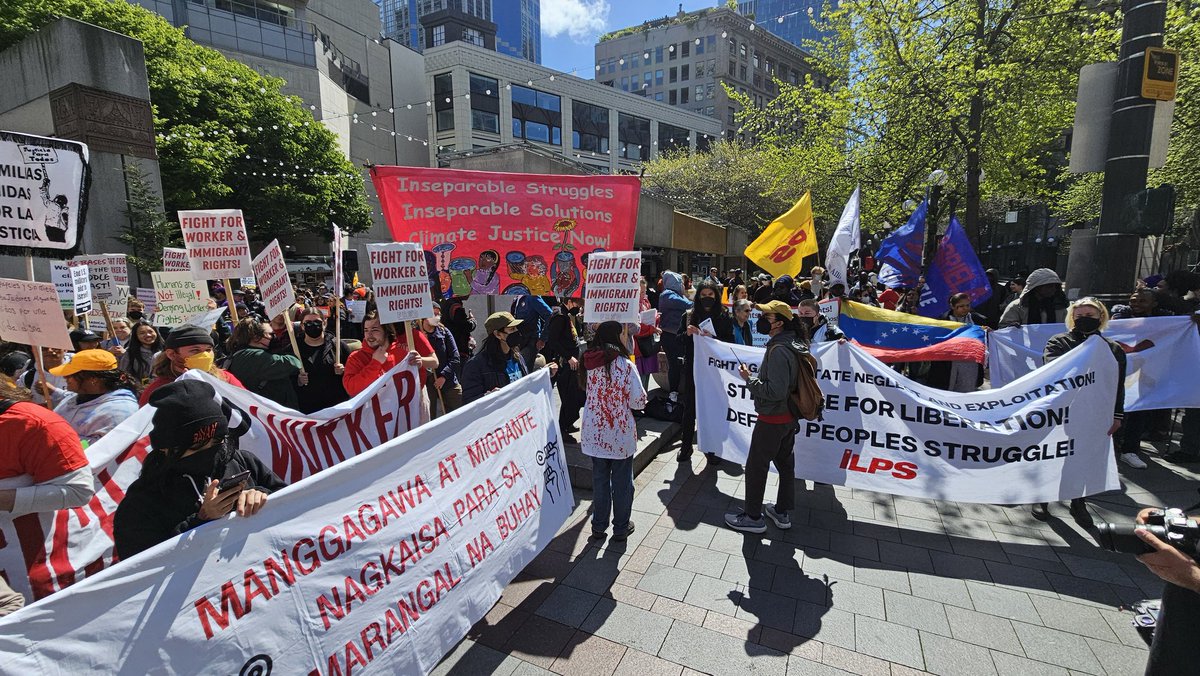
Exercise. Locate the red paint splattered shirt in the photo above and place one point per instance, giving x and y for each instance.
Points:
(608, 429)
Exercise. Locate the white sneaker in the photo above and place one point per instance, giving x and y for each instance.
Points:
(1133, 460)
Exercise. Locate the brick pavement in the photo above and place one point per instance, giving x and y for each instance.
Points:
(863, 583)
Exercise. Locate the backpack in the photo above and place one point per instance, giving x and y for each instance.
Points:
(807, 401)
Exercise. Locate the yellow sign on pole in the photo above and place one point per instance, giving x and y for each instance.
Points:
(1160, 73)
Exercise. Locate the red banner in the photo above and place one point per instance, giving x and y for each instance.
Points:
(498, 233)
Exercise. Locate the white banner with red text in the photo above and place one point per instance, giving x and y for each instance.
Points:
(1159, 351)
(1041, 438)
(43, 553)
(382, 563)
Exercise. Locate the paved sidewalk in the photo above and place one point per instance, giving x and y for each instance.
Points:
(863, 583)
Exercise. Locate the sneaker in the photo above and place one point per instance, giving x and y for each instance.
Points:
(1079, 510)
(621, 536)
(674, 396)
(781, 519)
(1133, 460)
(1179, 457)
(742, 521)
(1041, 511)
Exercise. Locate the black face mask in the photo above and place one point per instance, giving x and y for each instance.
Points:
(808, 322)
(707, 304)
(763, 325)
(135, 315)
(514, 341)
(1087, 325)
(573, 310)
(314, 329)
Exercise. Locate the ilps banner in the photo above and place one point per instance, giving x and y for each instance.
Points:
(1042, 438)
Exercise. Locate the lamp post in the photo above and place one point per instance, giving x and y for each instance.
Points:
(936, 180)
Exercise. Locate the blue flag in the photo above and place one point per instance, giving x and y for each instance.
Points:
(955, 269)
(899, 255)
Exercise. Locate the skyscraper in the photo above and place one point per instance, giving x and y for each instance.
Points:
(518, 22)
(789, 19)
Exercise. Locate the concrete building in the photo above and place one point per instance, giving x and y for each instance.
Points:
(482, 98)
(518, 24)
(791, 20)
(683, 60)
(332, 56)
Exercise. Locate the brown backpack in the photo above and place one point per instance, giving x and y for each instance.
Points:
(807, 401)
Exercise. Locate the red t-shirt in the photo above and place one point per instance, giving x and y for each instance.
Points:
(160, 381)
(362, 368)
(37, 441)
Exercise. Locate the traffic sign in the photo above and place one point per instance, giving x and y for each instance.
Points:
(1160, 73)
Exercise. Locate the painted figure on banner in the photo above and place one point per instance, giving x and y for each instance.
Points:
(461, 269)
(58, 211)
(534, 275)
(565, 273)
(487, 278)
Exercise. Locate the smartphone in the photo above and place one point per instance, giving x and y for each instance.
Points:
(233, 481)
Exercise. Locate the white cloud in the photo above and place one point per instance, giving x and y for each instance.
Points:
(583, 20)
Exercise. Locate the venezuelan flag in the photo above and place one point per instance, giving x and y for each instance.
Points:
(895, 337)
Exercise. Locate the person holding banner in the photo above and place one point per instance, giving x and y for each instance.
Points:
(105, 396)
(187, 347)
(742, 333)
(319, 385)
(383, 348)
(180, 484)
(499, 361)
(672, 304)
(774, 436)
(1087, 317)
(442, 385)
(269, 375)
(816, 327)
(608, 433)
(707, 311)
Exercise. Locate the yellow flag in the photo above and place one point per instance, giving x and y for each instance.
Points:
(354, 283)
(782, 246)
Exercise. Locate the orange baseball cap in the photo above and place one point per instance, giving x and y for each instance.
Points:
(87, 360)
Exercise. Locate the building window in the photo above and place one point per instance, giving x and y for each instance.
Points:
(633, 136)
(756, 61)
(672, 137)
(485, 104)
(625, 83)
(658, 78)
(742, 72)
(710, 110)
(686, 48)
(712, 42)
(658, 54)
(672, 53)
(624, 62)
(712, 67)
(672, 74)
(612, 66)
(732, 114)
(439, 35)
(683, 95)
(732, 69)
(742, 50)
(472, 36)
(673, 98)
(699, 92)
(590, 125)
(683, 72)
(537, 115)
(757, 80)
(443, 101)
(658, 96)
(648, 77)
(637, 61)
(699, 45)
(709, 89)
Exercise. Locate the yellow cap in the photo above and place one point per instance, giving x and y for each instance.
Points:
(777, 307)
(87, 360)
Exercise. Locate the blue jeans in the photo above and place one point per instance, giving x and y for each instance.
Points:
(612, 491)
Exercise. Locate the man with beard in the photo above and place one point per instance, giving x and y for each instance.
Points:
(708, 306)
(383, 348)
(180, 485)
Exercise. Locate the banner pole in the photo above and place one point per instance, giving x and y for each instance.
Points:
(107, 319)
(233, 313)
(291, 331)
(37, 351)
(337, 330)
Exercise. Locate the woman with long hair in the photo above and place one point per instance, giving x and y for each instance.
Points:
(138, 360)
(608, 433)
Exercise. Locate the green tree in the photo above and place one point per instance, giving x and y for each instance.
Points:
(148, 229)
(218, 120)
(979, 89)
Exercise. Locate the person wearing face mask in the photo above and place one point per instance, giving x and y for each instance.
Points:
(179, 487)
(186, 347)
(319, 385)
(1087, 317)
(816, 328)
(135, 311)
(499, 361)
(445, 392)
(708, 307)
(562, 347)
(1041, 301)
(273, 376)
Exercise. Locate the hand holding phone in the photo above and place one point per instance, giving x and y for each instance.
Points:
(233, 481)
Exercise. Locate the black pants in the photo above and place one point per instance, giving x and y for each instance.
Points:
(1175, 649)
(1135, 425)
(771, 443)
(571, 395)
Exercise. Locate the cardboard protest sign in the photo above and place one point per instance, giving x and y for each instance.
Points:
(274, 285)
(1042, 438)
(379, 565)
(106, 272)
(613, 291)
(176, 260)
(179, 298)
(73, 286)
(44, 193)
(401, 282)
(499, 233)
(30, 314)
(217, 246)
(148, 300)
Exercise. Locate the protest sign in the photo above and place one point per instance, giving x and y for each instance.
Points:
(1155, 350)
(106, 272)
(382, 564)
(613, 291)
(207, 319)
(148, 301)
(357, 309)
(339, 277)
(44, 194)
(1040, 439)
(216, 243)
(31, 314)
(73, 286)
(56, 549)
(498, 233)
(274, 285)
(401, 281)
(176, 260)
(179, 298)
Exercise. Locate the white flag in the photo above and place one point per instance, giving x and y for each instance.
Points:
(845, 240)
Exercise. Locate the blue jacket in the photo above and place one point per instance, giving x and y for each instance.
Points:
(447, 353)
(672, 303)
(534, 310)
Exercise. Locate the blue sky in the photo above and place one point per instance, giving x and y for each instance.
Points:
(570, 28)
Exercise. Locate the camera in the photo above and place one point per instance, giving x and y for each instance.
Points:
(1169, 525)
